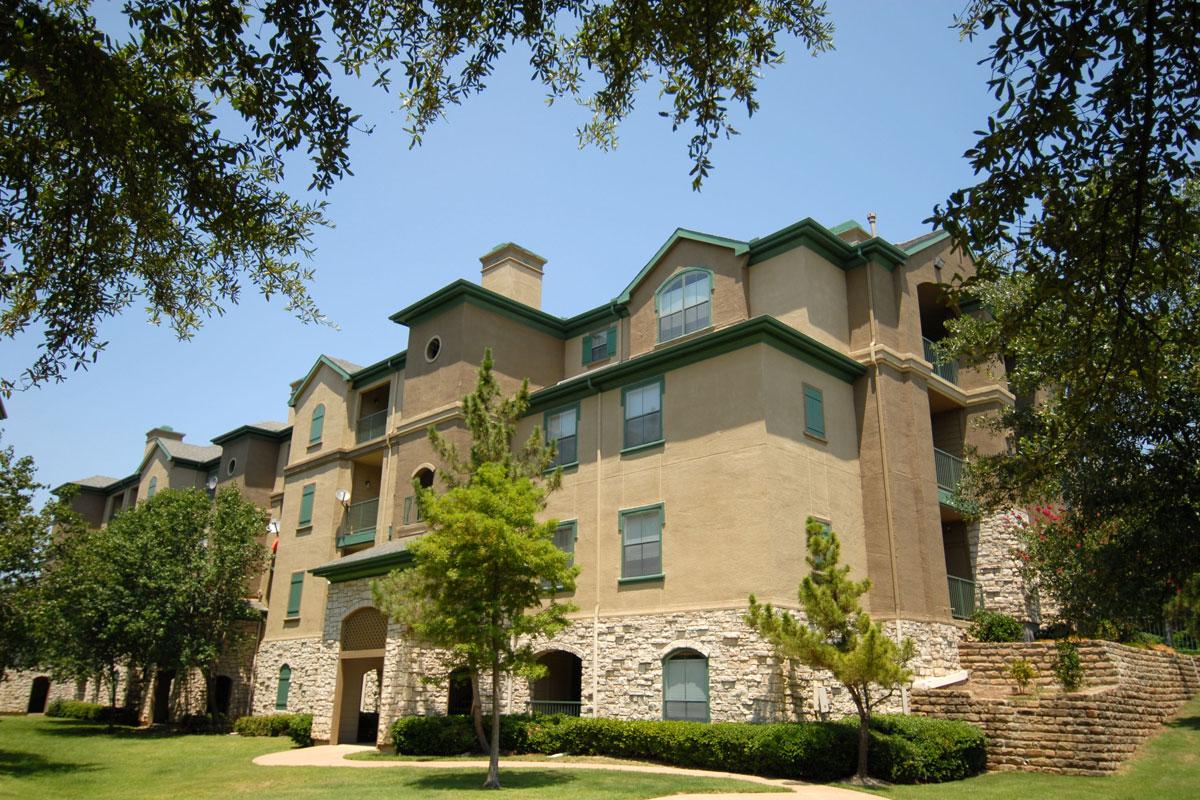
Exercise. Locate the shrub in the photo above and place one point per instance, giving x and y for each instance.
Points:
(992, 626)
(1021, 673)
(300, 729)
(203, 723)
(91, 712)
(903, 749)
(271, 725)
(1067, 667)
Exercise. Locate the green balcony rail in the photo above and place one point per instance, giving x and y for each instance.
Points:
(568, 707)
(372, 426)
(964, 597)
(946, 369)
(350, 539)
(949, 470)
(362, 516)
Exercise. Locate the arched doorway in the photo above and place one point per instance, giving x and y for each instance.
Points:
(558, 691)
(460, 692)
(364, 635)
(161, 712)
(38, 692)
(224, 691)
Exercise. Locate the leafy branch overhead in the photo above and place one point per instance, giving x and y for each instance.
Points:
(147, 165)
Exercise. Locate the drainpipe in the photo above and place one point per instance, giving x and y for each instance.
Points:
(596, 608)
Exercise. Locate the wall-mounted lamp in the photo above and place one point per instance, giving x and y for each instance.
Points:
(939, 262)
(273, 527)
(343, 497)
(211, 483)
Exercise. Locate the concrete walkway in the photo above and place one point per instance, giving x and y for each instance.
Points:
(335, 756)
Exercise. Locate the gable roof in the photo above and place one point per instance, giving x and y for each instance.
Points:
(341, 366)
(268, 429)
(681, 234)
(197, 456)
(916, 245)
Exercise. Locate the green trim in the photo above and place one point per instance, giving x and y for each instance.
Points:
(941, 236)
(152, 487)
(380, 369)
(738, 247)
(303, 384)
(816, 237)
(358, 537)
(662, 415)
(307, 497)
(811, 392)
(684, 271)
(283, 688)
(316, 425)
(295, 593)
(546, 427)
(251, 430)
(673, 655)
(363, 568)
(662, 523)
(758, 330)
(848, 225)
(463, 291)
(639, 447)
(588, 321)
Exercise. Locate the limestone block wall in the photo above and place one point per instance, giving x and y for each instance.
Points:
(17, 686)
(993, 542)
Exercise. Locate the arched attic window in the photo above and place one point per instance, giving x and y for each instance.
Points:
(684, 304)
(317, 425)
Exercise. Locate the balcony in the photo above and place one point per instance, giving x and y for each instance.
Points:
(568, 708)
(372, 426)
(964, 597)
(946, 370)
(360, 523)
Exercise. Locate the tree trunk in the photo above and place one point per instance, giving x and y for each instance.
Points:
(477, 712)
(112, 698)
(864, 739)
(493, 776)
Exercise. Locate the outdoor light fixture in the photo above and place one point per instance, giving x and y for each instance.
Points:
(273, 527)
(343, 497)
(211, 483)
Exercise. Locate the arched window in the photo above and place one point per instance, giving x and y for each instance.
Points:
(318, 424)
(461, 692)
(152, 488)
(684, 304)
(685, 686)
(285, 685)
(412, 509)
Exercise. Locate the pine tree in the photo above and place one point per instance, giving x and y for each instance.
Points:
(838, 636)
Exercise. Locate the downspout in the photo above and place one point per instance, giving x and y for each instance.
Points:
(596, 608)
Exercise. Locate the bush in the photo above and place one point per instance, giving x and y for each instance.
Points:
(300, 729)
(271, 725)
(1067, 666)
(903, 749)
(1021, 673)
(203, 723)
(91, 712)
(992, 626)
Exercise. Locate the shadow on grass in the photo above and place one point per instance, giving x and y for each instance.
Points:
(24, 765)
(71, 727)
(473, 779)
(1190, 723)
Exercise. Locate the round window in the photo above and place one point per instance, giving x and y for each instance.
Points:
(232, 466)
(432, 348)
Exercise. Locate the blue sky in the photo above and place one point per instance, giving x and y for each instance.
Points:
(878, 124)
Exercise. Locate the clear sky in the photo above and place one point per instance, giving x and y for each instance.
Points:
(878, 124)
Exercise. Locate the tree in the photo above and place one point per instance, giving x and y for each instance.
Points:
(163, 584)
(484, 581)
(148, 166)
(835, 634)
(1085, 231)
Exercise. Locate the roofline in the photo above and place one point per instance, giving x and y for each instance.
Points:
(812, 234)
(940, 236)
(252, 430)
(462, 290)
(382, 367)
(119, 483)
(321, 359)
(763, 329)
(363, 568)
(736, 245)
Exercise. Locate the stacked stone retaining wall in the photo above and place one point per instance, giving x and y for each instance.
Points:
(1127, 695)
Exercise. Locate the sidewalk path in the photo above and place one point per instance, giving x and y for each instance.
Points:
(335, 756)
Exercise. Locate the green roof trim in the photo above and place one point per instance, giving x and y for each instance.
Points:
(917, 247)
(848, 225)
(463, 291)
(253, 430)
(765, 330)
(382, 368)
(321, 360)
(680, 234)
(815, 236)
(357, 568)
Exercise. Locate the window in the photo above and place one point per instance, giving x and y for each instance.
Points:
(684, 304)
(564, 539)
(152, 488)
(318, 424)
(412, 508)
(297, 589)
(599, 346)
(561, 427)
(306, 505)
(641, 543)
(232, 466)
(432, 348)
(285, 686)
(685, 686)
(814, 411)
(643, 414)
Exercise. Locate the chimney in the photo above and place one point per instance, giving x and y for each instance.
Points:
(163, 432)
(514, 272)
(871, 221)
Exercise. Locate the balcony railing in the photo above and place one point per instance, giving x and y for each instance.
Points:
(964, 597)
(946, 369)
(361, 519)
(567, 707)
(372, 426)
(412, 511)
(949, 470)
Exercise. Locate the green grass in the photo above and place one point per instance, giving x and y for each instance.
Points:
(1166, 768)
(52, 758)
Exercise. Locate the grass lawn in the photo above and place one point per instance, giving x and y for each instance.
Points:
(1166, 768)
(53, 758)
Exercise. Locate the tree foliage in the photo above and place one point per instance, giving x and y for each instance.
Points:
(147, 165)
(1086, 232)
(484, 581)
(835, 634)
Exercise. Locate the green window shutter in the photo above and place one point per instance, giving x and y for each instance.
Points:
(814, 411)
(612, 341)
(408, 504)
(297, 589)
(587, 350)
(152, 488)
(306, 504)
(285, 686)
(318, 424)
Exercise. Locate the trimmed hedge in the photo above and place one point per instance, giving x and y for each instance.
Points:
(992, 626)
(902, 749)
(297, 726)
(92, 712)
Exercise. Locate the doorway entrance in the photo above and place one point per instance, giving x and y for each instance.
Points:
(162, 695)
(360, 678)
(38, 694)
(558, 691)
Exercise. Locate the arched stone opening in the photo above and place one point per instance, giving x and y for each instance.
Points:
(559, 690)
(460, 692)
(38, 692)
(360, 677)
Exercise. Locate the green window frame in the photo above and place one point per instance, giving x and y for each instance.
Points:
(283, 688)
(152, 488)
(641, 543)
(561, 426)
(642, 415)
(564, 539)
(683, 304)
(814, 411)
(307, 495)
(295, 592)
(599, 345)
(317, 426)
(685, 686)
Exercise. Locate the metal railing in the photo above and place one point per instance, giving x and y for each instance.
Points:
(964, 597)
(943, 368)
(372, 426)
(568, 707)
(361, 519)
(949, 470)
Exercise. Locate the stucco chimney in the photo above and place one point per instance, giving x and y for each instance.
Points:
(514, 272)
(163, 432)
